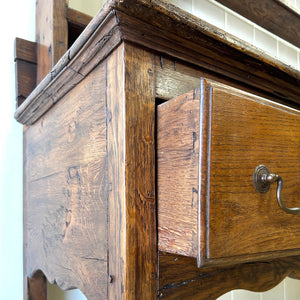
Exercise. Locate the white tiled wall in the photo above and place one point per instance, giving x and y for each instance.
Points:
(224, 18)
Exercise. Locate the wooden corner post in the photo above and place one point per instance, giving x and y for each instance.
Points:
(131, 174)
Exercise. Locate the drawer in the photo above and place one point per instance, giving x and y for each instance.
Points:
(210, 141)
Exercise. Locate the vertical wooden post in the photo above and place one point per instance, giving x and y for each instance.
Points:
(37, 287)
(131, 174)
(52, 43)
(51, 34)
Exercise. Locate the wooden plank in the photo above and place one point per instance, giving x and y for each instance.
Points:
(25, 68)
(178, 174)
(174, 78)
(265, 12)
(25, 50)
(77, 18)
(179, 277)
(65, 183)
(116, 173)
(25, 79)
(141, 260)
(131, 156)
(206, 196)
(51, 34)
(232, 58)
(37, 287)
(103, 40)
(162, 27)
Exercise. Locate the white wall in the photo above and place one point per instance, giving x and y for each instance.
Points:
(17, 19)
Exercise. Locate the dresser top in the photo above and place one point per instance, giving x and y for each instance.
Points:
(167, 30)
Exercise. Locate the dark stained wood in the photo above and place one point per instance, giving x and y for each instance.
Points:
(163, 27)
(71, 72)
(51, 34)
(206, 196)
(78, 18)
(264, 13)
(25, 66)
(25, 50)
(65, 181)
(141, 236)
(174, 78)
(179, 278)
(37, 287)
(77, 21)
(131, 157)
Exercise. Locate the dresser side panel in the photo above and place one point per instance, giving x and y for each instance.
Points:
(65, 190)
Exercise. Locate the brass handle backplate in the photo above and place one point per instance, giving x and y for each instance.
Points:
(262, 179)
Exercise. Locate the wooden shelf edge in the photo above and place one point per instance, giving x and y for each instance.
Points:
(175, 23)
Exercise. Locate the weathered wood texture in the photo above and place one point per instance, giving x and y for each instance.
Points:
(36, 287)
(179, 277)
(131, 165)
(141, 260)
(162, 27)
(51, 34)
(116, 174)
(206, 195)
(72, 68)
(174, 78)
(25, 66)
(65, 196)
(264, 13)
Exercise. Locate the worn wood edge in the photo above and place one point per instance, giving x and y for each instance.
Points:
(208, 54)
(250, 96)
(141, 227)
(25, 50)
(170, 12)
(205, 111)
(189, 21)
(40, 101)
(60, 282)
(184, 280)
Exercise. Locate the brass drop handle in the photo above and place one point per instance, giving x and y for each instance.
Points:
(262, 179)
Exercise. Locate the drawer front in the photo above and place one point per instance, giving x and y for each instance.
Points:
(209, 143)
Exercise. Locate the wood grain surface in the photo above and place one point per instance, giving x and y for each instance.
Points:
(141, 235)
(36, 287)
(166, 29)
(65, 196)
(51, 34)
(25, 68)
(131, 173)
(242, 131)
(179, 277)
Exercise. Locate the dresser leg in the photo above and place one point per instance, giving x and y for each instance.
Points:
(37, 287)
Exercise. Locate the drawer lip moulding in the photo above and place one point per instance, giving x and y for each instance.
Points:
(209, 141)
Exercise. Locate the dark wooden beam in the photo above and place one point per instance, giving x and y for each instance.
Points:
(272, 15)
(25, 66)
